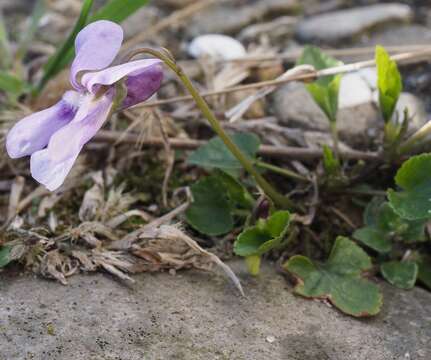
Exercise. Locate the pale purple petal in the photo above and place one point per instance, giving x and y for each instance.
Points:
(143, 68)
(51, 166)
(95, 47)
(49, 172)
(34, 131)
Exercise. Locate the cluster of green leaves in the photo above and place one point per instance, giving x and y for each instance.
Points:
(266, 235)
(412, 203)
(384, 229)
(220, 198)
(12, 80)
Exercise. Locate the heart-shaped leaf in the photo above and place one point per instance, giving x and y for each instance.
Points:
(325, 89)
(215, 154)
(339, 280)
(374, 239)
(238, 194)
(413, 202)
(400, 274)
(389, 82)
(210, 211)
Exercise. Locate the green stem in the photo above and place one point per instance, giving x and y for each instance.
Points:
(273, 194)
(281, 171)
(334, 133)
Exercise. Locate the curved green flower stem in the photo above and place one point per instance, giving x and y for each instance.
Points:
(167, 58)
(281, 171)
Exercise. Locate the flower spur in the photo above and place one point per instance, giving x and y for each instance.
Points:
(54, 137)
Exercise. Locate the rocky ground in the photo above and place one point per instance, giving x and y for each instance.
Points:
(195, 315)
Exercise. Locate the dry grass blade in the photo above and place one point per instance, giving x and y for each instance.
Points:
(168, 232)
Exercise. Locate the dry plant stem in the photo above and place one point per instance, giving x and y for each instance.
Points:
(400, 58)
(415, 139)
(274, 195)
(280, 152)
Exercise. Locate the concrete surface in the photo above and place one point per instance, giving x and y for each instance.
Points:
(196, 315)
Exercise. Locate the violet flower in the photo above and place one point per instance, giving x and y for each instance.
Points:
(54, 137)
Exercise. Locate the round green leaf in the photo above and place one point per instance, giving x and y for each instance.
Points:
(209, 212)
(339, 280)
(400, 274)
(413, 202)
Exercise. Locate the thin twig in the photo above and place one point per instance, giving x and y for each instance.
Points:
(282, 152)
(404, 58)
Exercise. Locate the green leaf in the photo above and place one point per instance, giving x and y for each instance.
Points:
(11, 84)
(118, 10)
(215, 154)
(5, 255)
(384, 226)
(400, 274)
(413, 202)
(339, 280)
(325, 89)
(389, 82)
(210, 212)
(373, 238)
(237, 193)
(65, 52)
(266, 235)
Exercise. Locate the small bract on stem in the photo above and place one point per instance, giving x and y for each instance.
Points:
(164, 55)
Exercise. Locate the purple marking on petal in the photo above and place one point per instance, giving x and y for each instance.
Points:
(142, 86)
(51, 165)
(34, 131)
(96, 47)
(115, 73)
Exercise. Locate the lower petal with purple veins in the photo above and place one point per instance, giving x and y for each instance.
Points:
(51, 166)
(34, 131)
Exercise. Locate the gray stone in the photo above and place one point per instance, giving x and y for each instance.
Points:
(231, 17)
(197, 315)
(357, 125)
(344, 24)
(401, 35)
